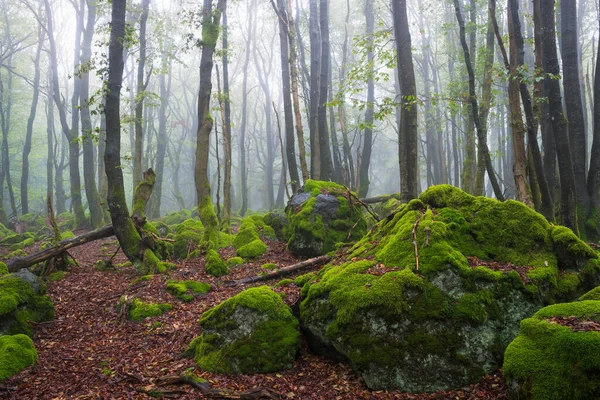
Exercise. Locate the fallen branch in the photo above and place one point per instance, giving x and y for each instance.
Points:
(414, 233)
(362, 203)
(282, 272)
(61, 247)
(380, 199)
(207, 391)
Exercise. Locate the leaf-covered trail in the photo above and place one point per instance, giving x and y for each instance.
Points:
(89, 352)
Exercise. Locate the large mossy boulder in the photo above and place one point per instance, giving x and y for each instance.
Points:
(442, 319)
(321, 215)
(252, 332)
(557, 354)
(188, 235)
(23, 300)
(16, 353)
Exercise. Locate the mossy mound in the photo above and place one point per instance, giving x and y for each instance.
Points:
(264, 229)
(188, 235)
(247, 233)
(187, 290)
(254, 249)
(252, 332)
(483, 266)
(593, 294)
(33, 222)
(234, 261)
(3, 269)
(320, 216)
(138, 310)
(551, 360)
(214, 265)
(16, 353)
(278, 222)
(176, 217)
(23, 299)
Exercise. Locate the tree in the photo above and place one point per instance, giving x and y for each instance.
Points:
(315, 70)
(244, 112)
(210, 34)
(327, 167)
(559, 123)
(365, 160)
(407, 132)
(593, 182)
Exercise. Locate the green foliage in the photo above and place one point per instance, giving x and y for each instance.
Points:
(16, 353)
(252, 332)
(138, 310)
(214, 264)
(186, 290)
(550, 361)
(254, 249)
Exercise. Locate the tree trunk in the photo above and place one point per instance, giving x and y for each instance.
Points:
(365, 161)
(244, 112)
(128, 236)
(559, 123)
(593, 182)
(210, 33)
(315, 68)
(327, 172)
(91, 191)
(348, 161)
(30, 120)
(226, 111)
(139, 97)
(407, 133)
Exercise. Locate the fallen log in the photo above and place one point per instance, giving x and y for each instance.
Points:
(380, 199)
(215, 393)
(282, 272)
(16, 264)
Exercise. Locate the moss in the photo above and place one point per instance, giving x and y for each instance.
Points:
(247, 233)
(149, 264)
(303, 279)
(19, 305)
(190, 224)
(263, 339)
(67, 235)
(277, 222)
(15, 254)
(593, 294)
(185, 290)
(235, 261)
(16, 353)
(144, 278)
(225, 239)
(263, 228)
(214, 264)
(138, 310)
(550, 361)
(185, 242)
(571, 251)
(56, 276)
(163, 266)
(209, 218)
(284, 282)
(3, 269)
(269, 266)
(253, 249)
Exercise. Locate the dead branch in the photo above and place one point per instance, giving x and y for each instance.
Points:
(283, 271)
(24, 262)
(366, 206)
(380, 199)
(414, 233)
(209, 392)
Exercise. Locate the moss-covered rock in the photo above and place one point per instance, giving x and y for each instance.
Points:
(593, 294)
(254, 249)
(187, 237)
(33, 222)
(186, 290)
(16, 353)
(252, 332)
(264, 229)
(234, 261)
(278, 222)
(214, 265)
(138, 310)
(269, 266)
(176, 217)
(551, 361)
(320, 216)
(446, 321)
(3, 269)
(247, 233)
(23, 299)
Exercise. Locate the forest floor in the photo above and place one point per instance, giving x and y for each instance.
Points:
(89, 352)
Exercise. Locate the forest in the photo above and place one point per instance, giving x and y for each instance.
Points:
(252, 199)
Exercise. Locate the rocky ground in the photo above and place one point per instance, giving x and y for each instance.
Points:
(90, 351)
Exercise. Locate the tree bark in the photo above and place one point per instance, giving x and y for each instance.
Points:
(593, 182)
(244, 112)
(226, 115)
(139, 97)
(559, 123)
(315, 68)
(407, 133)
(327, 172)
(311, 262)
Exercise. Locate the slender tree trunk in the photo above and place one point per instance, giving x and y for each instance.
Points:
(91, 191)
(30, 120)
(365, 162)
(139, 97)
(327, 172)
(481, 130)
(348, 161)
(315, 68)
(50, 139)
(226, 115)
(210, 33)
(593, 183)
(244, 112)
(407, 134)
(559, 123)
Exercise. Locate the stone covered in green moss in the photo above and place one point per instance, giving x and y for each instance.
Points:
(3, 269)
(214, 265)
(234, 261)
(278, 222)
(247, 233)
(16, 353)
(252, 332)
(176, 217)
(550, 361)
(593, 294)
(269, 266)
(186, 290)
(23, 299)
(264, 229)
(188, 235)
(320, 216)
(254, 249)
(138, 310)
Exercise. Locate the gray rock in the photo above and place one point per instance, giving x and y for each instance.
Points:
(27, 276)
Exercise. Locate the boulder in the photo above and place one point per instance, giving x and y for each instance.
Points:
(23, 299)
(557, 354)
(432, 296)
(16, 353)
(320, 216)
(252, 332)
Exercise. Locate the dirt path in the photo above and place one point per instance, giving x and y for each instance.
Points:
(88, 352)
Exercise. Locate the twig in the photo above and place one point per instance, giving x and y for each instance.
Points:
(366, 206)
(207, 391)
(414, 233)
(113, 256)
